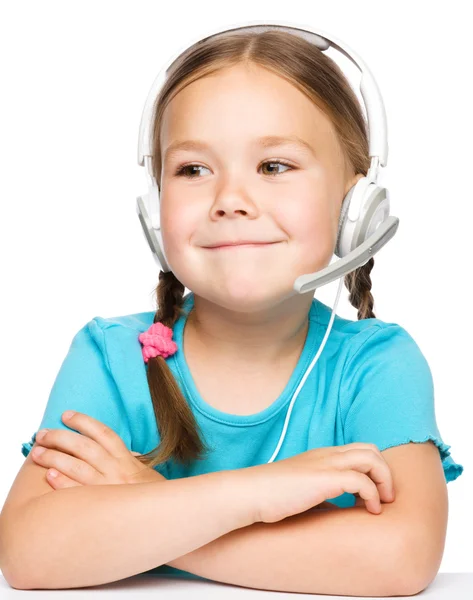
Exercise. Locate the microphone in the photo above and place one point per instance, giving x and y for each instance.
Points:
(354, 259)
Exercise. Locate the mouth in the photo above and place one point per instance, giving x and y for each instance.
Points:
(235, 246)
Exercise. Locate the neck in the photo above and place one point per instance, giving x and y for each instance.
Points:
(249, 340)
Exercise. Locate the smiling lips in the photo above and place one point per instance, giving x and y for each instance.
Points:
(252, 245)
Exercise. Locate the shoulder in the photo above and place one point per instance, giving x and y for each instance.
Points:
(119, 354)
(357, 340)
(108, 332)
(109, 344)
(379, 365)
(137, 322)
(103, 375)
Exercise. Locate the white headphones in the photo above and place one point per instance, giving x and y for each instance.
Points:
(364, 224)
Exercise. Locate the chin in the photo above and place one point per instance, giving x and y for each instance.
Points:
(244, 298)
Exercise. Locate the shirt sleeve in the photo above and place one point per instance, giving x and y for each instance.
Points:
(388, 392)
(84, 384)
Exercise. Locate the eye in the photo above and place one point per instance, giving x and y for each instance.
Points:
(181, 170)
(276, 162)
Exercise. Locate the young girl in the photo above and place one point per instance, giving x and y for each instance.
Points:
(215, 397)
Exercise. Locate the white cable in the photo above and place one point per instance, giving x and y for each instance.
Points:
(306, 374)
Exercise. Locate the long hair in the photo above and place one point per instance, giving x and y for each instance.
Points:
(320, 78)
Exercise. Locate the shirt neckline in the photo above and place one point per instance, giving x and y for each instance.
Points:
(283, 399)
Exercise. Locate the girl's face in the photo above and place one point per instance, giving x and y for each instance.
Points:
(233, 186)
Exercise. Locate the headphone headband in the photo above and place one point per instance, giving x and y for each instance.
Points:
(376, 113)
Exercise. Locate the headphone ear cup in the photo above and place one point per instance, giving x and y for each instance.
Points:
(375, 211)
(373, 201)
(343, 237)
(152, 232)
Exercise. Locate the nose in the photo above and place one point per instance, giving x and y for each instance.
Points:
(220, 212)
(233, 205)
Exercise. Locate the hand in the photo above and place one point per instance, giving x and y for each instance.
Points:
(358, 502)
(325, 505)
(299, 483)
(99, 457)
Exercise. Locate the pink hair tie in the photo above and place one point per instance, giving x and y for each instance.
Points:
(157, 341)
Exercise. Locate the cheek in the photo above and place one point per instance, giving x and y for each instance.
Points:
(310, 223)
(176, 226)
(310, 229)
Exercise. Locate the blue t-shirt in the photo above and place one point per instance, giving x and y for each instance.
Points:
(370, 384)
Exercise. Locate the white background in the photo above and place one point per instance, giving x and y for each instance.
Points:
(75, 77)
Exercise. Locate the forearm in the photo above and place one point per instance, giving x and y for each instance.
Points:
(91, 535)
(341, 552)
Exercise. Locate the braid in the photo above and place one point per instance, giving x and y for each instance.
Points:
(359, 284)
(175, 420)
(170, 292)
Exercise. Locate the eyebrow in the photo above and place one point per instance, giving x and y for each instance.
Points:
(267, 141)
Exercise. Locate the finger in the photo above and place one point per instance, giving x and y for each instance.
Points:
(380, 472)
(79, 446)
(328, 450)
(72, 467)
(376, 450)
(97, 431)
(362, 446)
(370, 463)
(59, 480)
(356, 482)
